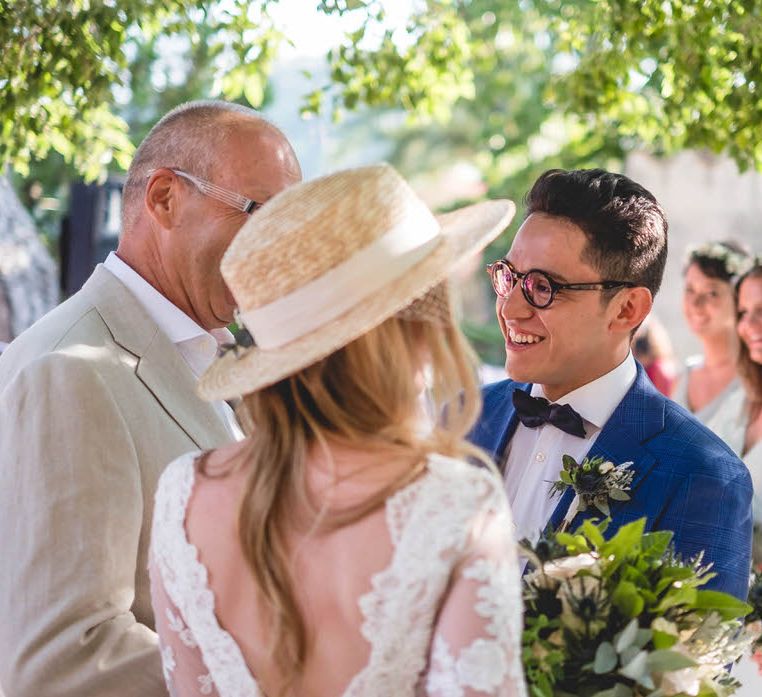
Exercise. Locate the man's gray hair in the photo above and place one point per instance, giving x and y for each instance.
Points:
(190, 137)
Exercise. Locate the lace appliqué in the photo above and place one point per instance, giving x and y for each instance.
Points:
(484, 664)
(167, 663)
(429, 523)
(185, 580)
(205, 684)
(177, 625)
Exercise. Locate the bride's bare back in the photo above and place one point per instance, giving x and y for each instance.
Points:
(419, 597)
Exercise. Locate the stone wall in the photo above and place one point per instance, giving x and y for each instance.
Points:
(705, 198)
(28, 274)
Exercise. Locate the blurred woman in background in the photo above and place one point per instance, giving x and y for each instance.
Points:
(708, 306)
(739, 422)
(652, 348)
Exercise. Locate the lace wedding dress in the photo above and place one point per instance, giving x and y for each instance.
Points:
(443, 619)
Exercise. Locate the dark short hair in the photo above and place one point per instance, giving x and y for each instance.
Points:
(625, 226)
(720, 260)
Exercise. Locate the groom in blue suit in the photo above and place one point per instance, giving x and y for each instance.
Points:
(578, 280)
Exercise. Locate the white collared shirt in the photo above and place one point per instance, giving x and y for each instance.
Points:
(533, 455)
(197, 346)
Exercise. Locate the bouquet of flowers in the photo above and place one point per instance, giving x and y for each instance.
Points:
(626, 617)
(754, 618)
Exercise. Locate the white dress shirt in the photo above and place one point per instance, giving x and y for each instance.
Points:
(533, 455)
(197, 346)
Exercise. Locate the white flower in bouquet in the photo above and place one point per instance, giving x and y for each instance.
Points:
(568, 567)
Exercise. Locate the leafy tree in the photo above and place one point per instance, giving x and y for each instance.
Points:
(64, 61)
(666, 73)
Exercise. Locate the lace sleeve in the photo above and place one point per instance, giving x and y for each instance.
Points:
(476, 646)
(184, 670)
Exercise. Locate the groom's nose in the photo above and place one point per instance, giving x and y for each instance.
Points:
(514, 305)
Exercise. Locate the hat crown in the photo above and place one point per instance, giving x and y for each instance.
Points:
(313, 227)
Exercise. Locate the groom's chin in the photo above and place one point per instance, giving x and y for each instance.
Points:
(518, 373)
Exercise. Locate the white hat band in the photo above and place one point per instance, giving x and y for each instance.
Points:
(340, 289)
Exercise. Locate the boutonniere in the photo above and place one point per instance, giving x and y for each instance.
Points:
(594, 481)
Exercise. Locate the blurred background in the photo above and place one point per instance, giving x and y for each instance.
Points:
(467, 98)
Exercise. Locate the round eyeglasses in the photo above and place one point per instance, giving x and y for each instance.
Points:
(537, 287)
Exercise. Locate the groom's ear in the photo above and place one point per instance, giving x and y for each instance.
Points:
(629, 308)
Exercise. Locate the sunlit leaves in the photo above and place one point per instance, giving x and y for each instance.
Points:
(671, 74)
(63, 62)
(540, 82)
(423, 70)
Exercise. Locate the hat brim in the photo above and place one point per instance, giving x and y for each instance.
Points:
(464, 232)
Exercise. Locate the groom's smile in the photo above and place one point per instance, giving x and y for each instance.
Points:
(517, 340)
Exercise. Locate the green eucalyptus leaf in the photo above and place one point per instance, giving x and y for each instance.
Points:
(627, 636)
(606, 658)
(662, 661)
(637, 668)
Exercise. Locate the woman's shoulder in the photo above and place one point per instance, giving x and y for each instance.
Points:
(173, 491)
(728, 418)
(473, 484)
(175, 472)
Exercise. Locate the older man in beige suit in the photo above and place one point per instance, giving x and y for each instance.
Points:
(98, 396)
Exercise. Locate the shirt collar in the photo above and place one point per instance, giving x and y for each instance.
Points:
(595, 402)
(175, 324)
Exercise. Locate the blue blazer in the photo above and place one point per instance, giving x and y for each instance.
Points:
(686, 479)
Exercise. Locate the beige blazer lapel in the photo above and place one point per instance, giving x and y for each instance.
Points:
(164, 372)
(159, 365)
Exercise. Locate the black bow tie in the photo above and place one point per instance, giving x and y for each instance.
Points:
(536, 411)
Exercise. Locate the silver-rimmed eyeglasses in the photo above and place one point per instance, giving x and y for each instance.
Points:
(230, 198)
(537, 287)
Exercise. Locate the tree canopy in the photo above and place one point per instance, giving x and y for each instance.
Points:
(601, 74)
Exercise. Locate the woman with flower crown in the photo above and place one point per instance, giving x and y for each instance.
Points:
(739, 424)
(708, 307)
(346, 547)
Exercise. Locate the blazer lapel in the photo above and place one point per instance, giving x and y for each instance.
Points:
(163, 371)
(159, 365)
(637, 418)
(498, 421)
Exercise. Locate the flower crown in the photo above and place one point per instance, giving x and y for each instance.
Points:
(734, 263)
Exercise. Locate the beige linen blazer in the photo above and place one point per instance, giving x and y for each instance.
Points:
(94, 402)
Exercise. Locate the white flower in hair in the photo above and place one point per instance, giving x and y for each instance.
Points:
(734, 263)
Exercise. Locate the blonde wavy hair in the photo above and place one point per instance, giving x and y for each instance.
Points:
(364, 396)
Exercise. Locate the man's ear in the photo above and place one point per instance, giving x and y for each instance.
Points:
(161, 197)
(629, 308)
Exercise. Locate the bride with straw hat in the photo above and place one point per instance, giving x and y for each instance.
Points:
(347, 546)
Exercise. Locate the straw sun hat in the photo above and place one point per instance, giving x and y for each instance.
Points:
(326, 261)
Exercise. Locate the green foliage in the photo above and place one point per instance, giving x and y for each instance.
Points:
(517, 87)
(622, 616)
(676, 74)
(424, 74)
(64, 61)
